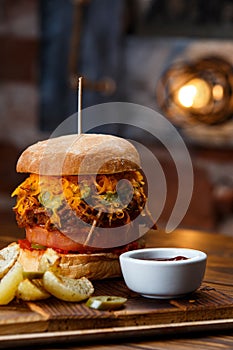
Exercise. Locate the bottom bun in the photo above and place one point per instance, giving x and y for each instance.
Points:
(93, 266)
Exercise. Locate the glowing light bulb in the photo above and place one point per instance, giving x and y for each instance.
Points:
(186, 95)
(196, 94)
(217, 92)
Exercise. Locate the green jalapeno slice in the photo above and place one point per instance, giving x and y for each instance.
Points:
(106, 302)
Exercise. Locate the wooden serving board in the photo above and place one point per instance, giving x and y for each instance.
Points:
(51, 317)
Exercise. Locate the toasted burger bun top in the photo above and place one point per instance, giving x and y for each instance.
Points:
(79, 154)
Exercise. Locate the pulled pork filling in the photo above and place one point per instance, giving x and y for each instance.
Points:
(104, 200)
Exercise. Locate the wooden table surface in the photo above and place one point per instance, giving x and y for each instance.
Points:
(219, 274)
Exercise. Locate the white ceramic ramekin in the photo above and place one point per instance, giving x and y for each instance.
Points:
(163, 279)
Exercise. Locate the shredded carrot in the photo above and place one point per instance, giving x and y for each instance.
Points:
(86, 195)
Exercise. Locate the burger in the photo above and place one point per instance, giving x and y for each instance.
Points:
(83, 200)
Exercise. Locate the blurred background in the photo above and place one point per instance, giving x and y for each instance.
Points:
(175, 57)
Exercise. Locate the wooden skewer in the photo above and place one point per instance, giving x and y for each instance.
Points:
(92, 229)
(79, 105)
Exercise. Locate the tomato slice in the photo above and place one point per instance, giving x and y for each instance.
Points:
(53, 239)
(39, 236)
(24, 244)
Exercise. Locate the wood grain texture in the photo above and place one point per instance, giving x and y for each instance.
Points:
(205, 304)
(19, 318)
(210, 309)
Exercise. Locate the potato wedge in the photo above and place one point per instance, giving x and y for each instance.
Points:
(29, 290)
(8, 257)
(67, 289)
(49, 258)
(9, 283)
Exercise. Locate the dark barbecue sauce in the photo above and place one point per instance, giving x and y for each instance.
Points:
(176, 258)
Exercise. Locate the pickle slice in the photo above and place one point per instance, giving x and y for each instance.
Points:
(68, 289)
(31, 275)
(38, 246)
(106, 302)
